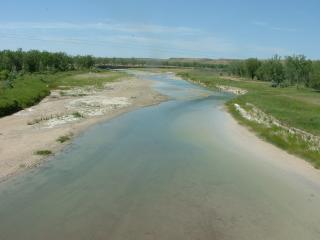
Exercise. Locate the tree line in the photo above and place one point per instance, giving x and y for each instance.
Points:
(130, 62)
(291, 70)
(40, 61)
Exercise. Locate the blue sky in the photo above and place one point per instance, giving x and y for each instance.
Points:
(162, 29)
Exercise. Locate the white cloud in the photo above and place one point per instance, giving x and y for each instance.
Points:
(266, 25)
(171, 41)
(102, 26)
(111, 38)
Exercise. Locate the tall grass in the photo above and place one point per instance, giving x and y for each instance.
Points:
(25, 91)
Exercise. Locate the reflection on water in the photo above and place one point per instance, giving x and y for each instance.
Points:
(162, 172)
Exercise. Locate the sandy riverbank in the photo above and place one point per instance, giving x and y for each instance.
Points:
(65, 113)
(248, 141)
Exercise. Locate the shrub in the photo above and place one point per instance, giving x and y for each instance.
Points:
(64, 138)
(43, 152)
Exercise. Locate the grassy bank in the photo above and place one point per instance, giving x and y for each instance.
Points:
(292, 107)
(28, 89)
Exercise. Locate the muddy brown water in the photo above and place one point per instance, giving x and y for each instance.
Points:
(170, 171)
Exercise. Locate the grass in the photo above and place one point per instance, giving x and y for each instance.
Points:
(82, 79)
(52, 116)
(298, 108)
(290, 143)
(43, 152)
(64, 138)
(43, 118)
(77, 115)
(25, 92)
(29, 89)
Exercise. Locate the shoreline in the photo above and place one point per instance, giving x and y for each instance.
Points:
(258, 126)
(31, 138)
(250, 142)
(38, 128)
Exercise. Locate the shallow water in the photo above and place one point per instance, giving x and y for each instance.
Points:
(170, 171)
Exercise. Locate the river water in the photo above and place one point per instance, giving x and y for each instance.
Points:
(171, 171)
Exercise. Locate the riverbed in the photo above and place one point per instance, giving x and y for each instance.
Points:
(172, 171)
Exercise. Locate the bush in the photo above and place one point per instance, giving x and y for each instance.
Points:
(4, 74)
(64, 138)
(43, 152)
(315, 76)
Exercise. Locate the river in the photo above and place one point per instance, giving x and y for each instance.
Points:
(171, 171)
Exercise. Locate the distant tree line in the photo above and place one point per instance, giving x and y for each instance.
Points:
(150, 62)
(193, 64)
(40, 61)
(291, 70)
(134, 62)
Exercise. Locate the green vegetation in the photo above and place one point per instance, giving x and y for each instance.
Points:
(218, 65)
(21, 88)
(294, 107)
(315, 75)
(37, 61)
(27, 77)
(42, 118)
(28, 89)
(82, 79)
(64, 138)
(43, 152)
(23, 92)
(252, 66)
(77, 115)
(293, 70)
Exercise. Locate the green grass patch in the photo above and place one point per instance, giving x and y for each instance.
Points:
(29, 89)
(43, 152)
(77, 115)
(298, 108)
(25, 91)
(292, 144)
(64, 138)
(96, 79)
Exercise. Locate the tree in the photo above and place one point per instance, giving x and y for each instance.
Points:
(32, 61)
(252, 65)
(82, 62)
(315, 75)
(238, 68)
(298, 70)
(272, 70)
(4, 74)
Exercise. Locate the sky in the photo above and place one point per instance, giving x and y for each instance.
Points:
(163, 28)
